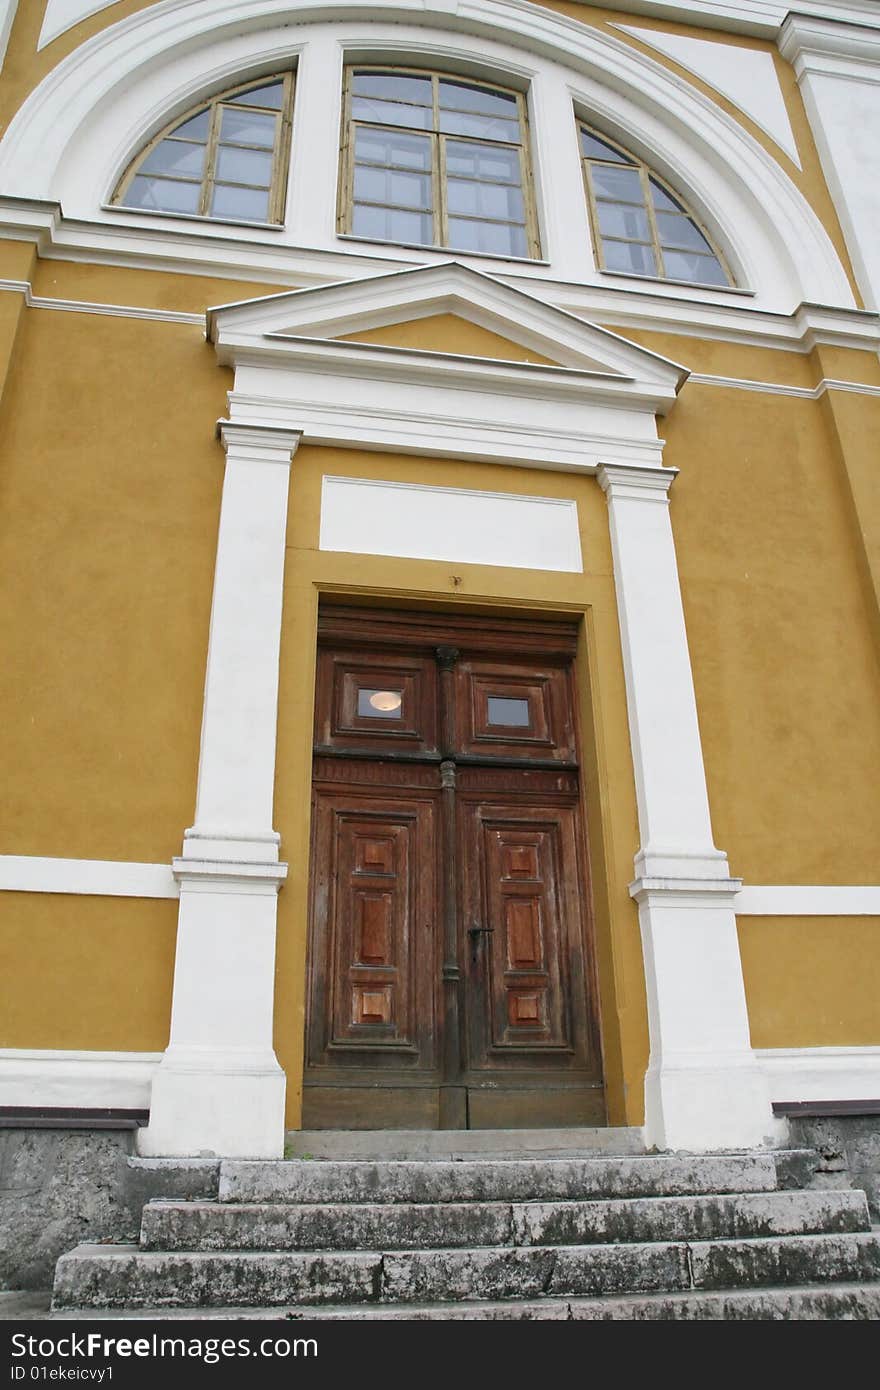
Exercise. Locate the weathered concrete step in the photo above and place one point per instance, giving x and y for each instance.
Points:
(376, 1226)
(493, 1180)
(108, 1276)
(462, 1143)
(829, 1302)
(834, 1302)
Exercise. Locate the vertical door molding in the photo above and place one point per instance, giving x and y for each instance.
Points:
(219, 1087)
(703, 1088)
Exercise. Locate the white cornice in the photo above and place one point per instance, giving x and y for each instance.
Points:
(818, 46)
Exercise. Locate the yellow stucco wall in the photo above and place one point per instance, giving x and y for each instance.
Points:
(812, 981)
(110, 480)
(86, 973)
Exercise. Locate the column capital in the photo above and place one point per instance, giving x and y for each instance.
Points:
(259, 443)
(637, 484)
(823, 46)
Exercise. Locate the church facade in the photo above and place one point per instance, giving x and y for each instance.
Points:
(440, 539)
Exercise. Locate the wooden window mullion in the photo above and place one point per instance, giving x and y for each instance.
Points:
(211, 158)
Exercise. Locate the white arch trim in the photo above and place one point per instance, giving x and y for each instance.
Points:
(75, 132)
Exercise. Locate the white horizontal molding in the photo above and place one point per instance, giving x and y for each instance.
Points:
(775, 388)
(438, 523)
(364, 418)
(625, 302)
(812, 900)
(26, 873)
(86, 306)
(821, 1073)
(77, 1080)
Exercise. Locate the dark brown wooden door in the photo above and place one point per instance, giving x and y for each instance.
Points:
(450, 971)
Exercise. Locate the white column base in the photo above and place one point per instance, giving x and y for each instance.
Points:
(211, 1104)
(702, 1104)
(704, 1088)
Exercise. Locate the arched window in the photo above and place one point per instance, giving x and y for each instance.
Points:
(227, 158)
(436, 160)
(640, 227)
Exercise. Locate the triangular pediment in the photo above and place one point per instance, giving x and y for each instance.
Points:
(445, 313)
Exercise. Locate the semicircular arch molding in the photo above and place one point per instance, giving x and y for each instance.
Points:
(76, 131)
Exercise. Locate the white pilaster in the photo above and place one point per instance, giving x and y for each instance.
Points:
(838, 71)
(219, 1088)
(703, 1088)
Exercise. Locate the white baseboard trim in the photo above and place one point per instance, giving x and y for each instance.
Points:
(77, 1080)
(26, 873)
(123, 1080)
(811, 900)
(821, 1073)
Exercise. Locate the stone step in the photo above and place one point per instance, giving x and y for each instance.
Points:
(830, 1302)
(102, 1276)
(377, 1226)
(462, 1143)
(331, 1181)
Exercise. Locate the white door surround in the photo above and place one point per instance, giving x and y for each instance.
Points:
(219, 1087)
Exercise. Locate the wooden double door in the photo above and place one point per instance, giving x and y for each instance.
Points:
(451, 981)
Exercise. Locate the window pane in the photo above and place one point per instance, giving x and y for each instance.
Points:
(393, 86)
(380, 704)
(244, 166)
(161, 195)
(597, 149)
(393, 224)
(271, 96)
(176, 157)
(460, 96)
(510, 712)
(681, 265)
(250, 204)
(482, 162)
(483, 127)
(675, 230)
(616, 219)
(391, 113)
(377, 147)
(247, 128)
(392, 186)
(494, 200)
(623, 185)
(492, 237)
(662, 199)
(196, 128)
(628, 255)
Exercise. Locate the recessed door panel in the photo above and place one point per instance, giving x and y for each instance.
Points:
(373, 969)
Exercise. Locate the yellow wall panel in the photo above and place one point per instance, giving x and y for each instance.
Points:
(86, 973)
(110, 478)
(812, 981)
(780, 637)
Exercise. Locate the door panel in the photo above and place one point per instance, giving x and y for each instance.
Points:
(526, 999)
(373, 991)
